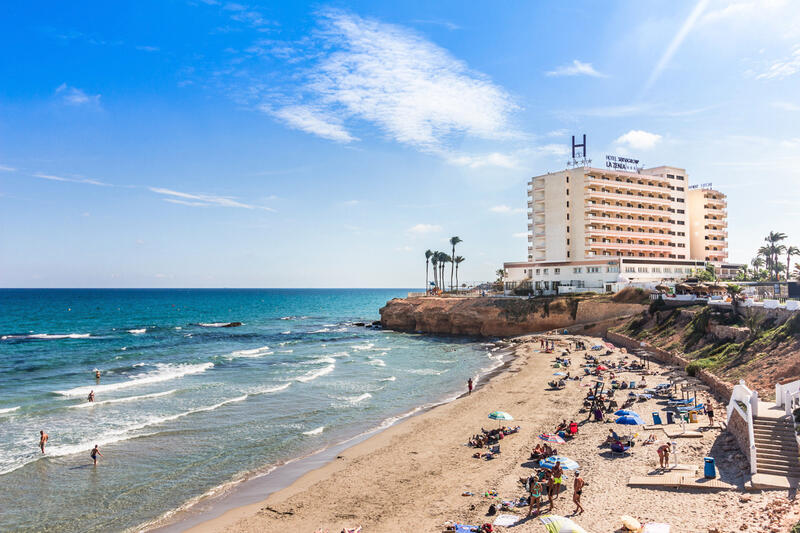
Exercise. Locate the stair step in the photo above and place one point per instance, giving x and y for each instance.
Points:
(778, 472)
(776, 451)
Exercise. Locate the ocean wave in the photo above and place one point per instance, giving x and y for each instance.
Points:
(255, 352)
(219, 324)
(359, 399)
(315, 431)
(323, 330)
(425, 371)
(137, 331)
(8, 410)
(314, 374)
(47, 336)
(286, 351)
(164, 372)
(126, 399)
(376, 362)
(138, 365)
(178, 328)
(286, 332)
(340, 354)
(272, 389)
(113, 436)
(359, 347)
(390, 378)
(326, 359)
(444, 361)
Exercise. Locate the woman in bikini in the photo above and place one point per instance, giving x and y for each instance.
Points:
(535, 496)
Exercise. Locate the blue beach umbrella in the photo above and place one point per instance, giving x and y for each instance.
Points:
(631, 420)
(566, 462)
(625, 412)
(500, 415)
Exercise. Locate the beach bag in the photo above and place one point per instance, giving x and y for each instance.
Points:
(492, 510)
(487, 528)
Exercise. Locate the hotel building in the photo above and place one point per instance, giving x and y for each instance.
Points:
(597, 229)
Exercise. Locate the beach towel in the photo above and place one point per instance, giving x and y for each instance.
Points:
(505, 520)
(653, 527)
(461, 528)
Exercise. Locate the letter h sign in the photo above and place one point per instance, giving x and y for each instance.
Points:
(579, 146)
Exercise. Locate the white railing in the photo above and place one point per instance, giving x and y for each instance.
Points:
(749, 398)
(788, 395)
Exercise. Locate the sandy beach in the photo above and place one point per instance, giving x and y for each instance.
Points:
(411, 477)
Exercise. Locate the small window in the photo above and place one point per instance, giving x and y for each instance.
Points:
(567, 203)
(576, 270)
(567, 216)
(556, 271)
(567, 242)
(567, 229)
(567, 179)
(544, 271)
(538, 271)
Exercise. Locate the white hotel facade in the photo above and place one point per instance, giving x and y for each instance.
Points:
(598, 229)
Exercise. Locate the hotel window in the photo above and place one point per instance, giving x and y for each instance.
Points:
(538, 271)
(667, 270)
(679, 177)
(567, 216)
(576, 270)
(592, 270)
(568, 242)
(612, 269)
(681, 234)
(680, 199)
(681, 211)
(567, 229)
(670, 176)
(544, 271)
(567, 179)
(567, 192)
(656, 270)
(630, 269)
(556, 271)
(643, 269)
(681, 245)
(567, 203)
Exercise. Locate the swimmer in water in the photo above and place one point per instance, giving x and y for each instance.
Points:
(43, 439)
(94, 453)
(97, 375)
(91, 396)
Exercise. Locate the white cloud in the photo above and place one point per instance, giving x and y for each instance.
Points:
(350, 203)
(506, 209)
(77, 97)
(576, 68)
(639, 140)
(783, 68)
(389, 76)
(786, 106)
(309, 120)
(203, 200)
(404, 249)
(676, 42)
(4, 168)
(87, 181)
(553, 149)
(520, 235)
(494, 159)
(421, 229)
(145, 48)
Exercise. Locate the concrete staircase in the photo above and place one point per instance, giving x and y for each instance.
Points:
(776, 447)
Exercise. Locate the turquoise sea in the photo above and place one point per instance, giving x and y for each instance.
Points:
(185, 406)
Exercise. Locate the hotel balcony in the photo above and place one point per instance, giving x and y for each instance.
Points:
(628, 210)
(716, 232)
(644, 248)
(628, 197)
(612, 182)
(594, 219)
(719, 202)
(630, 234)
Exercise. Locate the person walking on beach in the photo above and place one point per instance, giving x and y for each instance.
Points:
(710, 412)
(94, 453)
(557, 479)
(469, 386)
(577, 491)
(91, 396)
(43, 439)
(551, 487)
(663, 455)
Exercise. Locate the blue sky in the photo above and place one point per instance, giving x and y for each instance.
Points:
(221, 144)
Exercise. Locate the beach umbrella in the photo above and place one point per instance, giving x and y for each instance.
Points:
(566, 462)
(500, 415)
(625, 412)
(601, 367)
(559, 374)
(631, 420)
(551, 437)
(559, 524)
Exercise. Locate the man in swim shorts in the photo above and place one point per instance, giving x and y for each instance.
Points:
(578, 490)
(94, 453)
(558, 472)
(43, 439)
(469, 386)
(91, 396)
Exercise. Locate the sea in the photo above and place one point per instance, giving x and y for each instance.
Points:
(199, 390)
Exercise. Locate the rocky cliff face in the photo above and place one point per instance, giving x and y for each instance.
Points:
(498, 317)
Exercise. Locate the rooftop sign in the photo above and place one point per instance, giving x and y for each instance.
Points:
(622, 163)
(701, 186)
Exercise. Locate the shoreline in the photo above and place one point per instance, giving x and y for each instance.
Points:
(255, 488)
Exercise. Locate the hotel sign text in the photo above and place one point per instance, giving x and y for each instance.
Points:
(622, 163)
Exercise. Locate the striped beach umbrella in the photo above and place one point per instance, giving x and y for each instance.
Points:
(559, 524)
(551, 437)
(500, 415)
(566, 462)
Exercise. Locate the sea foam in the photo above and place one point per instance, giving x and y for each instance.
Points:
(314, 374)
(126, 399)
(165, 372)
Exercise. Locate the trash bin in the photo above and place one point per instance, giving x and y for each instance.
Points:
(693, 417)
(670, 416)
(710, 469)
(656, 419)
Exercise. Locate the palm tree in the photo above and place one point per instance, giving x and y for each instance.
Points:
(790, 251)
(435, 263)
(443, 260)
(457, 260)
(757, 263)
(774, 250)
(428, 255)
(734, 291)
(797, 272)
(453, 241)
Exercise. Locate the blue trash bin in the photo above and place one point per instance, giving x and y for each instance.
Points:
(656, 419)
(710, 469)
(670, 416)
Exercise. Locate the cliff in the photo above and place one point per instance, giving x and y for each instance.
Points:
(499, 317)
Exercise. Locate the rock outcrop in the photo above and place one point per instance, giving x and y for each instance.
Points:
(499, 317)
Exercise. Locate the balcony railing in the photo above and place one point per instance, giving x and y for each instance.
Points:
(629, 234)
(594, 219)
(632, 247)
(632, 210)
(626, 185)
(628, 197)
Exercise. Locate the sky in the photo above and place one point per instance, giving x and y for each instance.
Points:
(189, 143)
